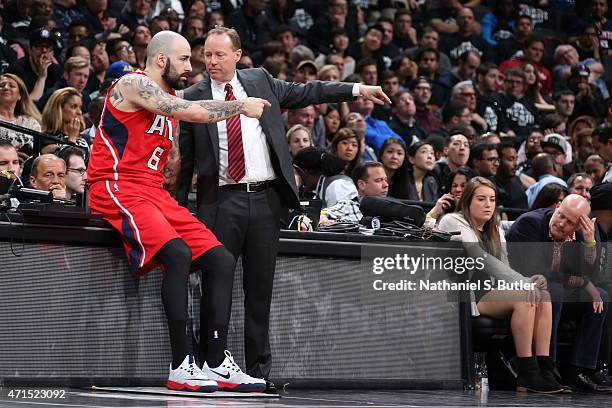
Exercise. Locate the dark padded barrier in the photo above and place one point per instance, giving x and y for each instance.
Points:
(70, 313)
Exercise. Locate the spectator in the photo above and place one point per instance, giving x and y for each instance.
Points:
(403, 120)
(305, 71)
(99, 61)
(454, 113)
(476, 219)
(49, 174)
(430, 38)
(321, 172)
(559, 260)
(580, 123)
(569, 63)
(529, 149)
(405, 70)
(550, 196)
(338, 61)
(371, 49)
(520, 113)
(287, 37)
(467, 38)
(512, 47)
(376, 130)
(584, 148)
(76, 171)
(158, 24)
(500, 24)
(136, 14)
(532, 89)
(9, 159)
(140, 40)
(340, 46)
(173, 18)
(298, 137)
(76, 75)
(469, 62)
(197, 55)
(371, 180)
(37, 70)
(367, 69)
(17, 107)
(63, 117)
(441, 80)
(533, 52)
(486, 106)
(393, 158)
(458, 155)
(589, 99)
(599, 18)
(160, 6)
(65, 12)
(356, 122)
(422, 185)
(346, 146)
(581, 184)
(602, 143)
(253, 26)
(305, 116)
(101, 21)
(484, 160)
(511, 192)
(404, 34)
(121, 50)
(388, 50)
(332, 122)
(421, 93)
(447, 203)
(329, 73)
(595, 167)
(587, 44)
(321, 34)
(77, 31)
(193, 28)
(196, 8)
(390, 83)
(564, 102)
(465, 91)
(545, 171)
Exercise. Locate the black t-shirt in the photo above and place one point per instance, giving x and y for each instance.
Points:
(511, 192)
(520, 114)
(23, 70)
(455, 45)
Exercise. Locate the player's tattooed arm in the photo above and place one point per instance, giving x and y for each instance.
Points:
(143, 92)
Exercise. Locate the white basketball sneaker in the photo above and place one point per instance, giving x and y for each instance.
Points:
(189, 377)
(229, 377)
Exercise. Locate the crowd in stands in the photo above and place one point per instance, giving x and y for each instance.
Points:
(508, 98)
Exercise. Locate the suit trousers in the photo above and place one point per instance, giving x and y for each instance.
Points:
(247, 224)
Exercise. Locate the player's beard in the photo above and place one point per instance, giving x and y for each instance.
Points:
(171, 76)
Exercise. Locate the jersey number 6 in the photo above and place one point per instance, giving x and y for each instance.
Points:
(153, 162)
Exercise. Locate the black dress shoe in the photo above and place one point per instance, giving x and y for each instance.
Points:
(601, 377)
(584, 383)
(270, 388)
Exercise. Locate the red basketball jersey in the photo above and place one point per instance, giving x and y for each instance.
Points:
(131, 146)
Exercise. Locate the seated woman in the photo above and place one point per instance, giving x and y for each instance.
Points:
(550, 196)
(422, 185)
(298, 137)
(530, 311)
(393, 158)
(346, 146)
(457, 180)
(17, 107)
(63, 118)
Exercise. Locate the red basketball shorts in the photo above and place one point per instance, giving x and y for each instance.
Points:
(147, 218)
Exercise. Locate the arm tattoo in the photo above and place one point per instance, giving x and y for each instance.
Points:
(219, 110)
(115, 95)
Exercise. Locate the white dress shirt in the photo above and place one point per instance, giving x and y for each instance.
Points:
(257, 160)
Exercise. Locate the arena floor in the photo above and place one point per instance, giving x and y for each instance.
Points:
(319, 398)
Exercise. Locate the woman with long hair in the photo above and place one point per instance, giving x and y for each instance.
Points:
(457, 180)
(17, 107)
(550, 196)
(533, 87)
(530, 310)
(346, 146)
(140, 40)
(422, 185)
(63, 117)
(331, 118)
(394, 161)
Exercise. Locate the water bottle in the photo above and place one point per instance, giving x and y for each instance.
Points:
(481, 375)
(428, 226)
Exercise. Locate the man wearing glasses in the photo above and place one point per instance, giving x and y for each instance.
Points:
(121, 50)
(76, 171)
(484, 159)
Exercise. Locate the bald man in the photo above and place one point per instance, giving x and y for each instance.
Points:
(561, 245)
(49, 174)
(137, 130)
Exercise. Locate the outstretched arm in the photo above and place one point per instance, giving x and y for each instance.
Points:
(135, 91)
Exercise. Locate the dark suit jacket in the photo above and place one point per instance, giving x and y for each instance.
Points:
(199, 143)
(530, 248)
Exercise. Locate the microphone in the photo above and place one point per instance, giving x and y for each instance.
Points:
(370, 222)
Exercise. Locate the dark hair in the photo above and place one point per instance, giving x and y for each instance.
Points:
(485, 67)
(466, 54)
(361, 172)
(505, 144)
(70, 151)
(399, 180)
(603, 134)
(454, 107)
(272, 48)
(533, 38)
(428, 49)
(5, 143)
(343, 134)
(365, 63)
(316, 160)
(477, 150)
(562, 92)
(79, 23)
(273, 66)
(387, 75)
(548, 195)
(551, 121)
(462, 171)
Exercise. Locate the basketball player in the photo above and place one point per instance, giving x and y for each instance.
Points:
(136, 131)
